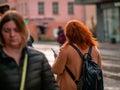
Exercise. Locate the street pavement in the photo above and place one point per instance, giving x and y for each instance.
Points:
(110, 54)
(111, 60)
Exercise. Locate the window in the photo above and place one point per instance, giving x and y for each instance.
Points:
(55, 8)
(41, 7)
(70, 8)
(24, 9)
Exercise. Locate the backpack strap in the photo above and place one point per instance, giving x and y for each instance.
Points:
(90, 50)
(88, 54)
(70, 73)
(24, 72)
(79, 52)
(81, 55)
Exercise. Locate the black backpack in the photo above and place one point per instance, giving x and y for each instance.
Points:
(91, 77)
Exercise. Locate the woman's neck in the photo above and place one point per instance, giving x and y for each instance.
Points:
(14, 53)
(12, 50)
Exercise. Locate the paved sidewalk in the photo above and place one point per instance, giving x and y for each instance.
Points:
(111, 59)
(101, 45)
(110, 46)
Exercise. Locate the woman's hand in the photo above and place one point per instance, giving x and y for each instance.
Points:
(55, 52)
(55, 55)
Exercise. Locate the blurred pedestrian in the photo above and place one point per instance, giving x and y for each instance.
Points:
(21, 67)
(30, 41)
(3, 9)
(60, 36)
(79, 35)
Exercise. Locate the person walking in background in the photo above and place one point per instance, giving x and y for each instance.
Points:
(30, 41)
(60, 36)
(78, 34)
(15, 55)
(3, 9)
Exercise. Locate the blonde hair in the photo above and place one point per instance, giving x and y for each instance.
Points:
(19, 21)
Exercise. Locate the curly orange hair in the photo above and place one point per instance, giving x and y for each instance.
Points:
(78, 33)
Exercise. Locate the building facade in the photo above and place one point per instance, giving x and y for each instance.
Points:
(44, 16)
(108, 19)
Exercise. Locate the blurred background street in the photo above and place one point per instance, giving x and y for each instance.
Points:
(43, 17)
(111, 61)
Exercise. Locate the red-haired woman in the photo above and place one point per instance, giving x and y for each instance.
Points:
(79, 35)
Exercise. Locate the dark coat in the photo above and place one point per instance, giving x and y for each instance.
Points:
(39, 74)
(61, 37)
